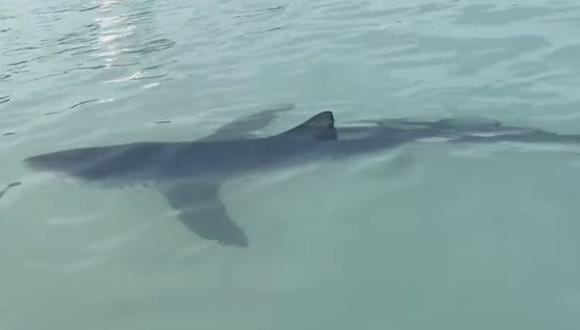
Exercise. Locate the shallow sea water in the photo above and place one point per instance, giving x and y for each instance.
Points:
(428, 236)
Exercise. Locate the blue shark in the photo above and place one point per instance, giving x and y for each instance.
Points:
(189, 174)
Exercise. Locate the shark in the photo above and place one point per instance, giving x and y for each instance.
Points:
(190, 174)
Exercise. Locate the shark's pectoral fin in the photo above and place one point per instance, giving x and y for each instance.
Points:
(201, 210)
(244, 126)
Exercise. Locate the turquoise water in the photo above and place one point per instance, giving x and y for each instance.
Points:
(428, 236)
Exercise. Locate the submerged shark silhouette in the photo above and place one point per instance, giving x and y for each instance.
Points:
(190, 174)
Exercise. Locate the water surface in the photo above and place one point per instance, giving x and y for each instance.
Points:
(425, 237)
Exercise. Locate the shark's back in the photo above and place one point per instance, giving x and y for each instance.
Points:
(129, 161)
(190, 174)
(146, 163)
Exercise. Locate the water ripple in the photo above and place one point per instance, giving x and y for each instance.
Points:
(152, 46)
(83, 103)
(89, 73)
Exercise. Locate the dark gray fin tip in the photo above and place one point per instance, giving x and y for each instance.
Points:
(324, 119)
(8, 187)
(318, 127)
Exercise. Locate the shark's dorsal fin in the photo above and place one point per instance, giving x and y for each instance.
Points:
(318, 127)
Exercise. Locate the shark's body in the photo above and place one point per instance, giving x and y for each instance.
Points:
(190, 174)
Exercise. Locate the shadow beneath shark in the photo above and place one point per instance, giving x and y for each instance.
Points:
(189, 174)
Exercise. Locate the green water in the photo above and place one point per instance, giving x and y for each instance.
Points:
(428, 236)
